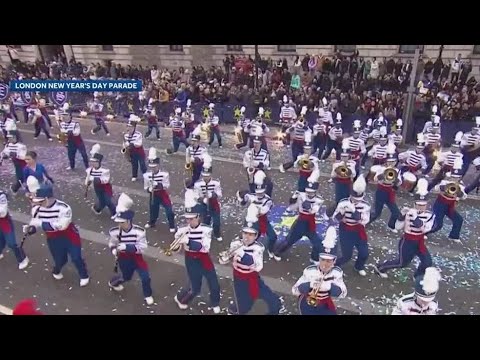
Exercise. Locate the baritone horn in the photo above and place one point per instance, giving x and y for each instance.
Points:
(452, 189)
(62, 138)
(305, 163)
(390, 175)
(343, 171)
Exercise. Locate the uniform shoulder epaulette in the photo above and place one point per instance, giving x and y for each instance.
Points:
(344, 199)
(310, 268)
(337, 268)
(112, 229)
(206, 225)
(61, 203)
(136, 227)
(258, 243)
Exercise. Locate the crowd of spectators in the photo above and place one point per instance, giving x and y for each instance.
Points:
(353, 85)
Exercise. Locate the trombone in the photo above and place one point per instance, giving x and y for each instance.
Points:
(175, 245)
(225, 256)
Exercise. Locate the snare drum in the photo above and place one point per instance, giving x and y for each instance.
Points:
(409, 181)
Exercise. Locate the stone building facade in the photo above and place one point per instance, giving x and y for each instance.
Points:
(174, 56)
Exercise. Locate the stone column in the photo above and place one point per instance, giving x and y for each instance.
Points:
(68, 52)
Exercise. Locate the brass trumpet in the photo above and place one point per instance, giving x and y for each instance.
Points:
(225, 256)
(126, 152)
(175, 245)
(305, 163)
(312, 297)
(239, 135)
(189, 169)
(343, 171)
(452, 189)
(62, 138)
(390, 175)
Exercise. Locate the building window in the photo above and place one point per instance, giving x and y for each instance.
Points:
(476, 49)
(176, 48)
(237, 48)
(107, 47)
(287, 48)
(410, 49)
(345, 48)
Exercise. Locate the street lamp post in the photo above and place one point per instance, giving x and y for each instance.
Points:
(409, 126)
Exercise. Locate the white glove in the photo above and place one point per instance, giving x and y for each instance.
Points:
(150, 189)
(154, 183)
(25, 228)
(205, 200)
(126, 144)
(114, 252)
(35, 223)
(121, 247)
(404, 211)
(255, 163)
(326, 286)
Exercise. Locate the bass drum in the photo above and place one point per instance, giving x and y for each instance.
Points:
(409, 180)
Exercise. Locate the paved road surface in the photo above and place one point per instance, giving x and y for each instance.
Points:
(370, 295)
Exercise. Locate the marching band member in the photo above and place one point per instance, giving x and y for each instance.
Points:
(157, 182)
(297, 134)
(213, 122)
(470, 145)
(247, 262)
(178, 134)
(257, 160)
(378, 152)
(42, 106)
(70, 130)
(429, 124)
(196, 239)
(380, 122)
(194, 155)
(415, 222)
(446, 160)
(422, 301)
(287, 117)
(258, 129)
(434, 142)
(100, 178)
(189, 119)
(397, 136)
(8, 111)
(412, 163)
(308, 205)
(475, 184)
(54, 217)
(451, 189)
(318, 284)
(243, 129)
(97, 109)
(264, 203)
(343, 173)
(7, 234)
(15, 151)
(305, 163)
(356, 146)
(37, 170)
(133, 141)
(353, 214)
(127, 244)
(210, 191)
(335, 135)
(388, 181)
(320, 133)
(39, 124)
(367, 136)
(152, 121)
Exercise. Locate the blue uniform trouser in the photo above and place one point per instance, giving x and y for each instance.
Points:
(297, 231)
(297, 149)
(475, 184)
(209, 217)
(104, 200)
(177, 140)
(8, 239)
(342, 190)
(319, 143)
(196, 173)
(262, 139)
(302, 183)
(333, 144)
(215, 131)
(245, 301)
(61, 248)
(39, 126)
(72, 151)
(99, 124)
(137, 160)
(407, 250)
(348, 241)
(150, 129)
(441, 210)
(196, 272)
(155, 211)
(19, 177)
(268, 187)
(365, 156)
(382, 198)
(128, 266)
